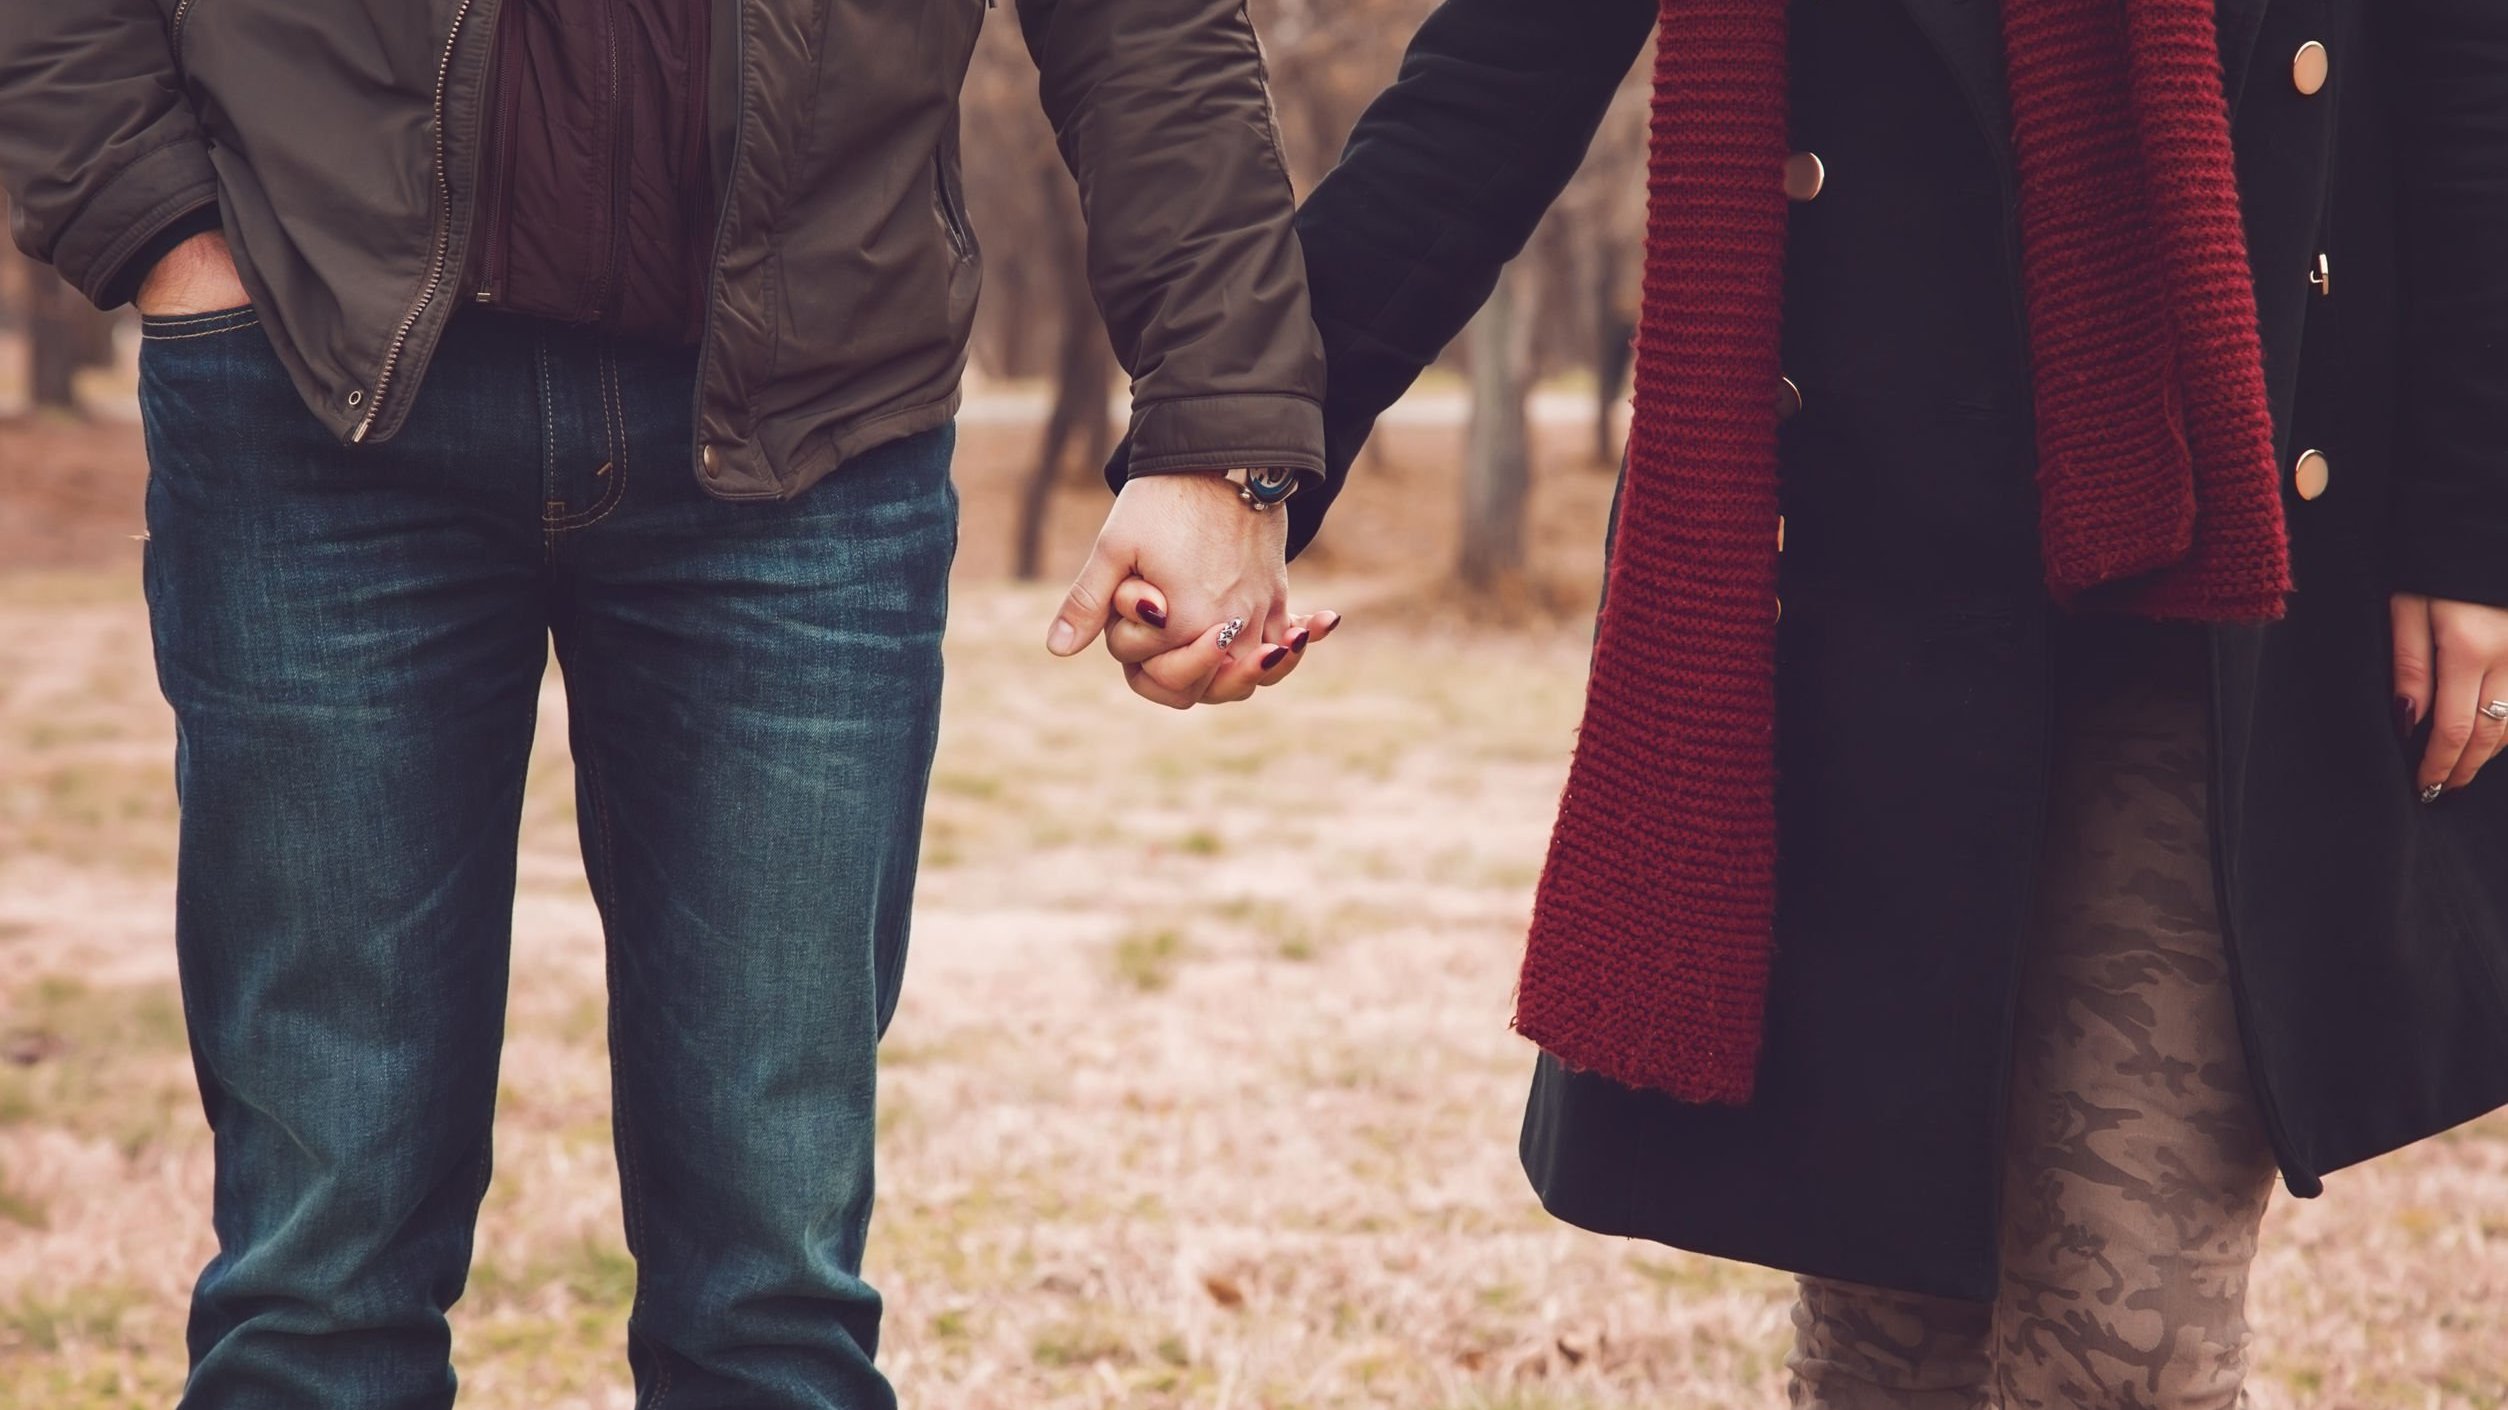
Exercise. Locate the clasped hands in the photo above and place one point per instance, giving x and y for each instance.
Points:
(1181, 558)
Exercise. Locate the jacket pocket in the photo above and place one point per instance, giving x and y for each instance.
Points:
(951, 205)
(184, 327)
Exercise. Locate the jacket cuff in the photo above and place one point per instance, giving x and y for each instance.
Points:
(156, 191)
(1249, 430)
(199, 220)
(2455, 552)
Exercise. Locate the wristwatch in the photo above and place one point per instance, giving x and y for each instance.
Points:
(1262, 490)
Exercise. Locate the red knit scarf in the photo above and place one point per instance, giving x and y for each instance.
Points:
(2160, 496)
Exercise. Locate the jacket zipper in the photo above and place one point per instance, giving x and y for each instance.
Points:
(174, 33)
(437, 262)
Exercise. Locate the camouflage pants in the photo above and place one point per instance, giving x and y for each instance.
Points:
(2136, 1171)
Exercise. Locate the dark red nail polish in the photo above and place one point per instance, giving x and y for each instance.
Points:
(1273, 658)
(1297, 643)
(2405, 716)
(1151, 615)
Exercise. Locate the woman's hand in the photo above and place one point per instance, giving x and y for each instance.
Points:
(196, 276)
(2451, 669)
(1141, 633)
(1206, 561)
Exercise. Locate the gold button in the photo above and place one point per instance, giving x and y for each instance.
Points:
(1780, 533)
(1789, 399)
(2310, 475)
(1805, 174)
(705, 458)
(2309, 69)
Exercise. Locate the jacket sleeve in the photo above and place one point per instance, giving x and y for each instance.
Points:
(2449, 82)
(1443, 181)
(1163, 113)
(99, 151)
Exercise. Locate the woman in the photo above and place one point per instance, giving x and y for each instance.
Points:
(2101, 824)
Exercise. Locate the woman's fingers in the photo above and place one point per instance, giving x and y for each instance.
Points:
(1151, 690)
(2483, 743)
(1199, 673)
(1139, 629)
(2468, 654)
(1246, 672)
(2453, 713)
(1188, 670)
(2415, 657)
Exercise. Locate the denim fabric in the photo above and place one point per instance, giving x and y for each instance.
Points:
(353, 640)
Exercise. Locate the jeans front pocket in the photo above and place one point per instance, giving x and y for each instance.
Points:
(184, 327)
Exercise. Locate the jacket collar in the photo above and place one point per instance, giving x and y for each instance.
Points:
(1969, 34)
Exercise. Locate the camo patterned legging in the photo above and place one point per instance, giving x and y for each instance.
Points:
(2137, 1170)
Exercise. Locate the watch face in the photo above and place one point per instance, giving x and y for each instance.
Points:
(1271, 486)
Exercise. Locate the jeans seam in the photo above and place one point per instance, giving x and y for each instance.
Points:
(631, 1185)
(548, 441)
(217, 332)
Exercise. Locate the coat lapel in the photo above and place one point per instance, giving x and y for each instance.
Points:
(1969, 35)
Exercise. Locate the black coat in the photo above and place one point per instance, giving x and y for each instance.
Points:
(2368, 933)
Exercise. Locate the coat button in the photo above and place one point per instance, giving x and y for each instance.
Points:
(706, 459)
(1789, 399)
(1805, 174)
(2308, 70)
(2311, 474)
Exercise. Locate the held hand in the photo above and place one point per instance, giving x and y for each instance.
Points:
(196, 276)
(1139, 637)
(1213, 561)
(2451, 669)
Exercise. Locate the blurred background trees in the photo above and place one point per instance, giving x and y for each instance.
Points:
(1566, 312)
(1562, 321)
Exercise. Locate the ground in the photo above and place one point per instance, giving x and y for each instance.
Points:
(1202, 1093)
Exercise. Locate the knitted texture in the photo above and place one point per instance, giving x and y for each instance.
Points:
(1652, 929)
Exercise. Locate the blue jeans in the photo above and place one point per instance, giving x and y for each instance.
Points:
(353, 641)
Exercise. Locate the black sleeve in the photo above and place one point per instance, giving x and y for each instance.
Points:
(2450, 85)
(1443, 180)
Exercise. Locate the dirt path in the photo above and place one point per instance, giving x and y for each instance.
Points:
(1202, 1093)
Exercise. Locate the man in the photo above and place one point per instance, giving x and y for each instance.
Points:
(637, 324)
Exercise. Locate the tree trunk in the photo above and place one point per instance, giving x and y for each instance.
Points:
(1614, 352)
(1497, 458)
(63, 334)
(1083, 380)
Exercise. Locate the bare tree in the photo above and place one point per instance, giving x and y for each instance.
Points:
(1083, 380)
(1497, 458)
(64, 335)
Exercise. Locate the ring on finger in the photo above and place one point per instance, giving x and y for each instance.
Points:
(2497, 710)
(1228, 633)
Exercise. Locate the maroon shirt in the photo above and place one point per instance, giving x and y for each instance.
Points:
(596, 204)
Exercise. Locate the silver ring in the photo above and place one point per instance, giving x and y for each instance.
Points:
(2497, 710)
(1228, 633)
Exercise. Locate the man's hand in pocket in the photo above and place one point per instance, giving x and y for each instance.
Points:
(197, 276)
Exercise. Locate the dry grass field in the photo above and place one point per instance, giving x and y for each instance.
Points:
(1202, 1093)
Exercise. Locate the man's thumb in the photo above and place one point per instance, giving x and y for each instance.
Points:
(1084, 608)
